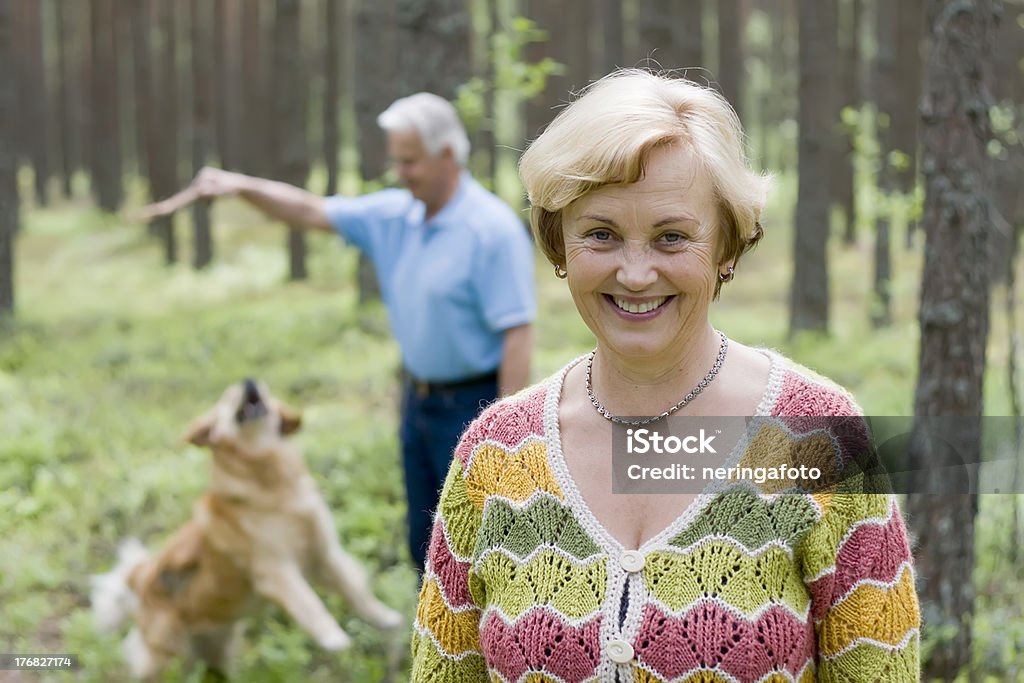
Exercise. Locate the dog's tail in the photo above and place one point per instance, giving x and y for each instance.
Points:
(112, 599)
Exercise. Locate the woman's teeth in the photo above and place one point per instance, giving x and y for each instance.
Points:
(644, 307)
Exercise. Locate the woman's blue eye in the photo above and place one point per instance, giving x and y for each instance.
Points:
(601, 235)
(673, 237)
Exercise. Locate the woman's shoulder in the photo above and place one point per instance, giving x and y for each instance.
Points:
(801, 391)
(509, 421)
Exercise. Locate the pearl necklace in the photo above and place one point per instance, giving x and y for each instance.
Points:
(701, 386)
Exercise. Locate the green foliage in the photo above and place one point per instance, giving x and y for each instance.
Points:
(519, 79)
(112, 354)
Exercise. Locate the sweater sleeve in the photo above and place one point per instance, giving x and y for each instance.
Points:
(446, 633)
(859, 572)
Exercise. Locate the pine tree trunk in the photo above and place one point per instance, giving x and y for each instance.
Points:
(67, 97)
(375, 82)
(607, 26)
(35, 107)
(226, 93)
(541, 109)
(809, 301)
(687, 19)
(166, 134)
(849, 49)
(730, 52)
(657, 35)
(953, 312)
(254, 123)
(8, 161)
(289, 97)
(1008, 88)
(332, 77)
(435, 46)
(202, 252)
(375, 89)
(146, 127)
(105, 131)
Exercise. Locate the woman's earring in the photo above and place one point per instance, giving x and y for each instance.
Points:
(726, 276)
(560, 272)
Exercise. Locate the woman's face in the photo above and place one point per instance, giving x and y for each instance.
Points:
(642, 258)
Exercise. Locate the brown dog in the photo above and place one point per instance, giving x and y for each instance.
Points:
(257, 533)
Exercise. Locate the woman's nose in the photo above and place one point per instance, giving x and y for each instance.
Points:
(636, 270)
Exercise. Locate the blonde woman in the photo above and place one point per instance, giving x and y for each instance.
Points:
(644, 203)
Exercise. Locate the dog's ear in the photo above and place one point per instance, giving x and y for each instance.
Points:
(290, 419)
(198, 433)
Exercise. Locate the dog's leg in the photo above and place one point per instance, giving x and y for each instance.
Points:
(345, 575)
(338, 569)
(283, 583)
(150, 647)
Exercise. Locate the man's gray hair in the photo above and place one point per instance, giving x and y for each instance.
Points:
(434, 118)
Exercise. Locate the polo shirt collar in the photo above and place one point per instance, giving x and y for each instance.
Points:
(442, 218)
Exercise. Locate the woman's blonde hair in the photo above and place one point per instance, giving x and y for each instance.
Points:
(606, 135)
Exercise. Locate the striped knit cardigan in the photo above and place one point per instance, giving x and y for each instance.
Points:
(523, 584)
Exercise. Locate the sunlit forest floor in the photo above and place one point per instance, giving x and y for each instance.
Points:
(112, 353)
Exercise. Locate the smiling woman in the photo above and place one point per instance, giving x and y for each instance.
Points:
(644, 202)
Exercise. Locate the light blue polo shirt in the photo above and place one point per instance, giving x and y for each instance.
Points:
(452, 285)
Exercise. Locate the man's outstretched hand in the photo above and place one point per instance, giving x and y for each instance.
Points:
(209, 183)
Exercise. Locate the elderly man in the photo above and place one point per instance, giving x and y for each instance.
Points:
(455, 266)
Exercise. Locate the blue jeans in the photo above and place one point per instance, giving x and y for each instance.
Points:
(430, 429)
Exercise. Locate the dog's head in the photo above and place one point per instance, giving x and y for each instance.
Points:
(247, 415)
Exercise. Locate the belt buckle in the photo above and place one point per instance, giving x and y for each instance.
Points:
(422, 388)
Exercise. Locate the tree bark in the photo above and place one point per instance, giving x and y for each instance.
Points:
(67, 98)
(730, 52)
(784, 70)
(1008, 88)
(375, 87)
(202, 96)
(809, 302)
(657, 35)
(843, 192)
(608, 25)
(8, 162)
(376, 66)
(888, 89)
(34, 107)
(688, 35)
(255, 122)
(435, 46)
(226, 93)
(166, 134)
(333, 11)
(289, 97)
(540, 110)
(954, 312)
(146, 139)
(105, 131)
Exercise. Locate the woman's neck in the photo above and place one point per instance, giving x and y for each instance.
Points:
(648, 386)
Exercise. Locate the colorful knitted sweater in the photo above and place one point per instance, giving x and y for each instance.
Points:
(524, 584)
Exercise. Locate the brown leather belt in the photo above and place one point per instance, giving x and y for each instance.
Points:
(424, 388)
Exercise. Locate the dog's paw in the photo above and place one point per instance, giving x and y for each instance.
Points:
(335, 641)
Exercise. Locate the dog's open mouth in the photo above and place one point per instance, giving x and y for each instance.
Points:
(252, 407)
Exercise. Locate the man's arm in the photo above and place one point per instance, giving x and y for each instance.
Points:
(514, 371)
(292, 205)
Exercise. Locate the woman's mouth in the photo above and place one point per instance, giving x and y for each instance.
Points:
(638, 308)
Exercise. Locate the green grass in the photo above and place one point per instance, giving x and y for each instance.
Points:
(112, 353)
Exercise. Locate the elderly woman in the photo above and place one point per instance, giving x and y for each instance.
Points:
(644, 203)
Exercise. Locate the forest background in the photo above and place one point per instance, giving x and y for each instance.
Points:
(113, 335)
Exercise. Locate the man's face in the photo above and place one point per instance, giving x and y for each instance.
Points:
(424, 175)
